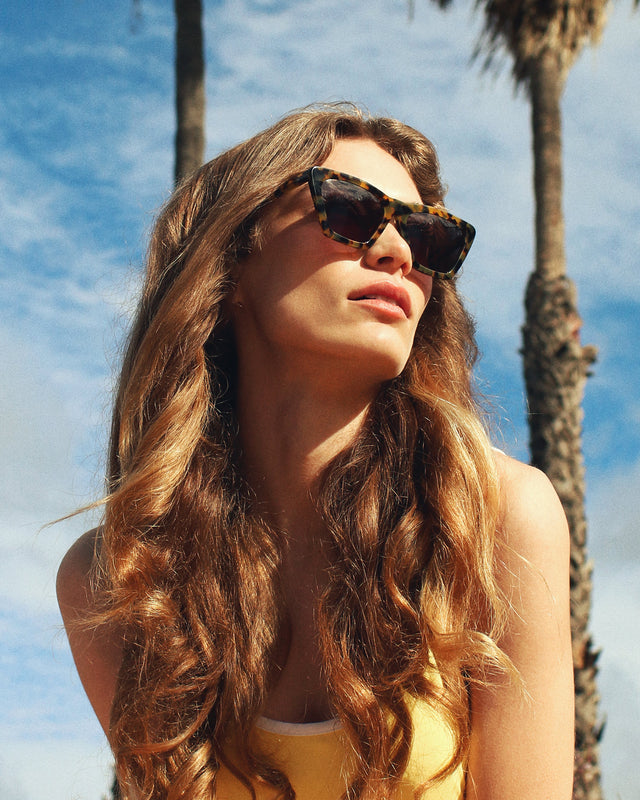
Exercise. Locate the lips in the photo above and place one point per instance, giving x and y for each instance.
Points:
(386, 292)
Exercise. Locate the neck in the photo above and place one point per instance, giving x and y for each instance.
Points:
(290, 429)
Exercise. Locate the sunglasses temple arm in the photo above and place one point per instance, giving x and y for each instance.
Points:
(296, 180)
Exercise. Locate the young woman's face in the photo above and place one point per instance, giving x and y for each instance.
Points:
(307, 302)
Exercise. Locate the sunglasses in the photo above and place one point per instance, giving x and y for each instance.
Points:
(354, 212)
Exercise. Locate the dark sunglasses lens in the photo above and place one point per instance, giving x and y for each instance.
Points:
(352, 212)
(435, 242)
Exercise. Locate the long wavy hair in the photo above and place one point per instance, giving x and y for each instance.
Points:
(189, 569)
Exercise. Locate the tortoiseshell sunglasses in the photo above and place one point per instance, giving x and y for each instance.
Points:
(354, 212)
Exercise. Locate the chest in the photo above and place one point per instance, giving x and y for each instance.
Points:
(298, 688)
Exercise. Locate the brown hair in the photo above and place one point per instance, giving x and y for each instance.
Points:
(189, 568)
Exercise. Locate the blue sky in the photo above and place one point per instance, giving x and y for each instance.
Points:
(86, 158)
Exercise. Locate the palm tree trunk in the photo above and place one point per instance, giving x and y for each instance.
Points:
(556, 366)
(190, 95)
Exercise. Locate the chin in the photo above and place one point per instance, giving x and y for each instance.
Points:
(388, 356)
(380, 365)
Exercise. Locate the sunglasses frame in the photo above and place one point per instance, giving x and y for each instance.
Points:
(392, 210)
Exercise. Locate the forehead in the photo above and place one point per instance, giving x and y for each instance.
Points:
(366, 160)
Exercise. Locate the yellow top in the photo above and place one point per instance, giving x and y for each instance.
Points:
(317, 760)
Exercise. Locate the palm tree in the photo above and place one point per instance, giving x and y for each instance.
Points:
(190, 94)
(544, 38)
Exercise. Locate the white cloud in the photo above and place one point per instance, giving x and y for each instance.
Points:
(39, 451)
(74, 769)
(50, 741)
(621, 743)
(614, 546)
(614, 517)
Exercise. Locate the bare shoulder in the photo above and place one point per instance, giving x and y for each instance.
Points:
(97, 650)
(533, 548)
(73, 581)
(532, 520)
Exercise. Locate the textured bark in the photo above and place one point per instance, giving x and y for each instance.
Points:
(545, 88)
(190, 94)
(556, 366)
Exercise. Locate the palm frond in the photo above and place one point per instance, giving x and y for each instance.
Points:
(526, 28)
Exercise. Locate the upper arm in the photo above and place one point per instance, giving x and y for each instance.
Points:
(522, 739)
(97, 652)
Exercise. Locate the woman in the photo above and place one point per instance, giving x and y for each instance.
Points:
(315, 577)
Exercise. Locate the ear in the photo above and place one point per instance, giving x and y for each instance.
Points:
(236, 299)
(233, 304)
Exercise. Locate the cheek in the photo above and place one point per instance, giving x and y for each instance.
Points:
(423, 288)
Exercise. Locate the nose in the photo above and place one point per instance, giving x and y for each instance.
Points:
(389, 253)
